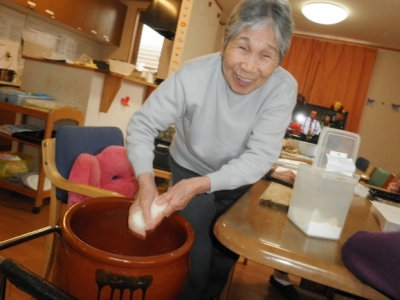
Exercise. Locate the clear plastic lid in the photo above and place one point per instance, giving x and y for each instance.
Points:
(339, 143)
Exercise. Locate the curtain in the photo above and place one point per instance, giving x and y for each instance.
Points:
(327, 72)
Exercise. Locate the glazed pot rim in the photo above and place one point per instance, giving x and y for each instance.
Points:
(123, 260)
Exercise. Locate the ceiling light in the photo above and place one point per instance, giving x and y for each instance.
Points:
(324, 13)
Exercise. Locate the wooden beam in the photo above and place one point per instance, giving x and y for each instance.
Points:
(111, 87)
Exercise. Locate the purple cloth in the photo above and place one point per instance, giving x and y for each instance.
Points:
(374, 258)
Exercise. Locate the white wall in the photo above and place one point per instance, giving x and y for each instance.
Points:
(118, 114)
(219, 38)
(380, 124)
(198, 27)
(202, 29)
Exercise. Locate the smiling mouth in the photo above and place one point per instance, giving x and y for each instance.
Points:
(243, 80)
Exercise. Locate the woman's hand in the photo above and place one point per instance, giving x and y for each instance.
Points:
(146, 194)
(287, 176)
(175, 199)
(179, 195)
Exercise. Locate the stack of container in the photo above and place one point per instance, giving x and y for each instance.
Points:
(322, 194)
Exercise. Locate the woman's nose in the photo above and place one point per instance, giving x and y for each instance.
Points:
(250, 64)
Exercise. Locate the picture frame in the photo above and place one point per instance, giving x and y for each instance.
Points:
(302, 110)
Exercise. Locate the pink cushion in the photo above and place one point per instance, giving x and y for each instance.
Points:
(110, 170)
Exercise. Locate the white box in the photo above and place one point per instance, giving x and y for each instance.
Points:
(320, 201)
(387, 215)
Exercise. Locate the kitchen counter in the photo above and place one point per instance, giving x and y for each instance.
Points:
(112, 81)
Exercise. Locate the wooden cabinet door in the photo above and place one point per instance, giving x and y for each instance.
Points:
(21, 2)
(116, 22)
(60, 10)
(110, 20)
(102, 19)
(63, 11)
(86, 16)
(35, 5)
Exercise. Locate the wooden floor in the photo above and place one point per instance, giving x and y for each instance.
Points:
(250, 282)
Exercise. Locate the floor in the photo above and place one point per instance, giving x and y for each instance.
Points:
(250, 281)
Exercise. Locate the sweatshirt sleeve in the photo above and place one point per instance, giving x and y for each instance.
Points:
(158, 112)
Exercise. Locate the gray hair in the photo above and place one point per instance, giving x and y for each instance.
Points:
(253, 14)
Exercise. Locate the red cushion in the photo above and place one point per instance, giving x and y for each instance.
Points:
(110, 170)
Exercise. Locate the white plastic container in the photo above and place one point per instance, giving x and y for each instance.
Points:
(320, 201)
(307, 149)
(121, 67)
(304, 148)
(321, 194)
(335, 141)
(38, 44)
(17, 97)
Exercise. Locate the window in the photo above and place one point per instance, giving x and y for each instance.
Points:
(150, 48)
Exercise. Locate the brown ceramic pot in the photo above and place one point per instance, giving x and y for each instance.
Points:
(99, 258)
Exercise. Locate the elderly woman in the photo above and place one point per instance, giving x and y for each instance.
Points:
(230, 111)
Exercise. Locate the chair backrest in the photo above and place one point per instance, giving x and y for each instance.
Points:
(74, 140)
(362, 164)
(380, 178)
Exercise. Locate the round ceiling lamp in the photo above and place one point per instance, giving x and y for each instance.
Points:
(324, 13)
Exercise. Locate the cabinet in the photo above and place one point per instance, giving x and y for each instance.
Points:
(110, 20)
(57, 114)
(86, 15)
(102, 19)
(6, 118)
(60, 10)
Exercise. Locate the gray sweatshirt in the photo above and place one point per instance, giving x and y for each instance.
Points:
(233, 139)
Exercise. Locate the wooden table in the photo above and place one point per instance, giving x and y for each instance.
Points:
(266, 236)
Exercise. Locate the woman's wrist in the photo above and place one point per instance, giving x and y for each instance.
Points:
(270, 172)
(203, 184)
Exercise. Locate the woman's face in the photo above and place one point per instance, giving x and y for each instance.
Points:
(249, 59)
(327, 119)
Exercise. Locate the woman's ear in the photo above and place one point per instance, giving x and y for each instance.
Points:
(223, 46)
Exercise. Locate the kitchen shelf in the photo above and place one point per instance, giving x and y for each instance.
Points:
(7, 83)
(112, 84)
(112, 81)
(50, 117)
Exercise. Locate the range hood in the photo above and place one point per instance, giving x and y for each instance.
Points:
(162, 16)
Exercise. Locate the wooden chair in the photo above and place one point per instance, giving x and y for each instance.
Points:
(380, 178)
(370, 170)
(59, 155)
(362, 164)
(364, 169)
